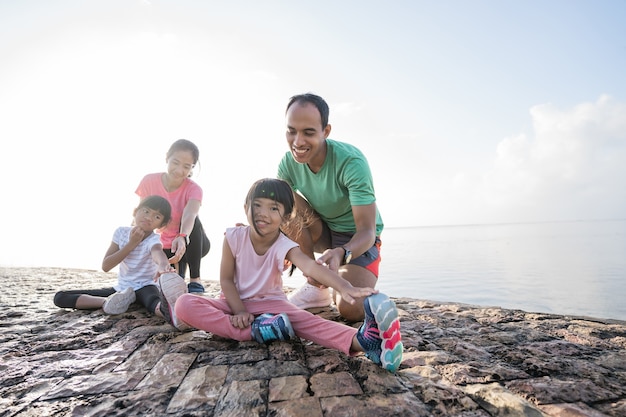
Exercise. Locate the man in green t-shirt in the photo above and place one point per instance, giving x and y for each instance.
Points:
(335, 203)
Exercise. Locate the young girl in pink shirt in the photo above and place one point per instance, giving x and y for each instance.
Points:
(252, 304)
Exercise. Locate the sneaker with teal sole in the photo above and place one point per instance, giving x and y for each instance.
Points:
(267, 328)
(379, 335)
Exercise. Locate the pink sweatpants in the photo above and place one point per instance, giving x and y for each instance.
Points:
(211, 315)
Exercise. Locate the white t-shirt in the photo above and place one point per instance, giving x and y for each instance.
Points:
(138, 269)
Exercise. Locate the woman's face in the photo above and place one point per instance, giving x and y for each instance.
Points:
(180, 164)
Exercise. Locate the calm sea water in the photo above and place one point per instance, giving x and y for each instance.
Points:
(574, 268)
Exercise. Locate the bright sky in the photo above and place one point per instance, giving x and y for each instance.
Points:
(468, 111)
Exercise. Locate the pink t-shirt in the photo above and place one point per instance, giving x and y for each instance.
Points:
(258, 276)
(151, 184)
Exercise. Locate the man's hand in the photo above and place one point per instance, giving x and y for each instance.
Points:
(332, 258)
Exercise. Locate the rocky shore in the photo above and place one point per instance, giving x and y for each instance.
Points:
(459, 360)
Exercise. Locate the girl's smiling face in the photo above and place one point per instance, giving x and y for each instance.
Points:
(266, 215)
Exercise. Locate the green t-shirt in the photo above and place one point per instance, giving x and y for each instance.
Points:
(343, 181)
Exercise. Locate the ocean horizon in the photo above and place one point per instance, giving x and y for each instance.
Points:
(568, 267)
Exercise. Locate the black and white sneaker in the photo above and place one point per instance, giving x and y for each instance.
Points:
(119, 302)
(171, 286)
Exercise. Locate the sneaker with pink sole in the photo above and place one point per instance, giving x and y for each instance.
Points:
(379, 335)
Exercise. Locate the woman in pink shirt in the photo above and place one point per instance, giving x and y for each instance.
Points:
(184, 240)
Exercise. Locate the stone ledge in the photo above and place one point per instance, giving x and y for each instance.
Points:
(459, 360)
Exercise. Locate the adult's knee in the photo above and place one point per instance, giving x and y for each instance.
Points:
(351, 312)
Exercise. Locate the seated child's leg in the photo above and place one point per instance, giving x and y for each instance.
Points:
(317, 329)
(69, 298)
(148, 297)
(210, 315)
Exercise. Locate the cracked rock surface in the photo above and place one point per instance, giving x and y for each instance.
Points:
(459, 360)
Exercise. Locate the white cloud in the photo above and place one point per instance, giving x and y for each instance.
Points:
(572, 166)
